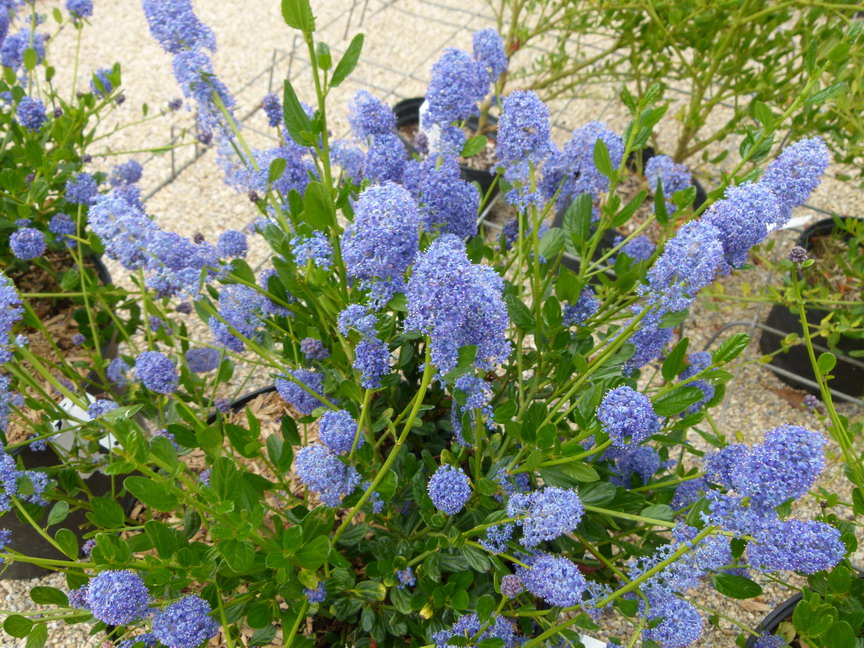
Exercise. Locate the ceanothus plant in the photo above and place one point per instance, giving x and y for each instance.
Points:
(483, 448)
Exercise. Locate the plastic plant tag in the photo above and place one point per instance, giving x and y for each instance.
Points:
(591, 642)
(65, 439)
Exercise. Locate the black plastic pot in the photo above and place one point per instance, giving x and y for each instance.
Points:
(24, 538)
(847, 377)
(28, 541)
(771, 622)
(407, 113)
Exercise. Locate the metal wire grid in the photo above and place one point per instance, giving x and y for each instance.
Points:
(419, 74)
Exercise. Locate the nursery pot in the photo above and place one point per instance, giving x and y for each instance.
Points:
(778, 615)
(407, 113)
(25, 539)
(847, 377)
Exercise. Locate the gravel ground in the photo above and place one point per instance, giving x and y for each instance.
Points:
(404, 37)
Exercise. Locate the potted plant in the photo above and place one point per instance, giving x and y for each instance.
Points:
(471, 457)
(827, 614)
(831, 289)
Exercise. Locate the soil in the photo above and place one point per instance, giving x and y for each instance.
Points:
(830, 269)
(56, 317)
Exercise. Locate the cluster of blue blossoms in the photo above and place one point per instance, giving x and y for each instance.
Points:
(120, 598)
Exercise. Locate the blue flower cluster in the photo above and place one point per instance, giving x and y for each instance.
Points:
(313, 249)
(240, 309)
(380, 244)
(80, 8)
(572, 171)
(324, 473)
(338, 431)
(370, 117)
(117, 597)
(627, 416)
(586, 306)
(469, 626)
(156, 371)
(232, 244)
(202, 360)
(127, 173)
(449, 489)
(314, 350)
(186, 623)
(545, 514)
(640, 248)
(488, 50)
(457, 303)
(298, 397)
(552, 578)
(10, 478)
(31, 113)
(795, 174)
(27, 243)
(524, 141)
(447, 203)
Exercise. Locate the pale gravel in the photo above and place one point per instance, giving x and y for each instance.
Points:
(403, 39)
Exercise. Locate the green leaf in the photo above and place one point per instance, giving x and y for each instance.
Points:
(298, 14)
(318, 209)
(519, 313)
(38, 636)
(371, 591)
(826, 362)
(31, 59)
(162, 537)
(239, 555)
(677, 400)
(731, 348)
(737, 587)
(474, 145)
(629, 209)
(674, 362)
(602, 160)
(277, 168)
(17, 626)
(68, 543)
(832, 91)
(107, 514)
(577, 219)
(348, 62)
(840, 635)
(660, 210)
(297, 122)
(659, 512)
(313, 555)
(763, 114)
(485, 607)
(151, 493)
(58, 513)
(48, 596)
(552, 243)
